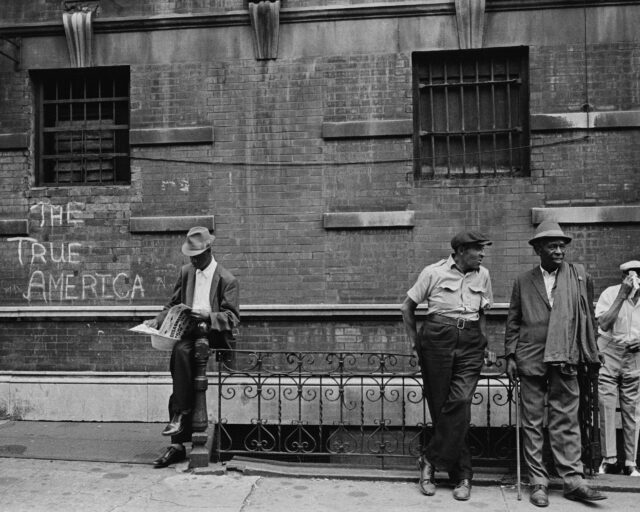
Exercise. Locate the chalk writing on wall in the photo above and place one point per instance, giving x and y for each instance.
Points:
(56, 272)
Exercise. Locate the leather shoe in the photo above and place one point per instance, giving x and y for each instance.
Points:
(539, 495)
(631, 471)
(427, 481)
(462, 491)
(175, 426)
(608, 468)
(170, 456)
(584, 493)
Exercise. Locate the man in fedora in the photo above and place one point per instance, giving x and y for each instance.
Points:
(618, 314)
(550, 332)
(212, 294)
(450, 348)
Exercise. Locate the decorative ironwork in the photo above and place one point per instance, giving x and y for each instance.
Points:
(341, 406)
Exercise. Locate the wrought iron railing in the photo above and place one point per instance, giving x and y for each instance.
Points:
(342, 406)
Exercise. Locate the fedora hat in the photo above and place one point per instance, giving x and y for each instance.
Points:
(549, 229)
(198, 240)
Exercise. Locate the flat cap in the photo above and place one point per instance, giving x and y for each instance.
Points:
(630, 265)
(469, 237)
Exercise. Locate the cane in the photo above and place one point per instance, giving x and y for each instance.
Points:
(516, 390)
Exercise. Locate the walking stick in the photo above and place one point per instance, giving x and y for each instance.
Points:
(516, 389)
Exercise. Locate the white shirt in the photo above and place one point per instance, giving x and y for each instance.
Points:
(202, 288)
(626, 328)
(549, 282)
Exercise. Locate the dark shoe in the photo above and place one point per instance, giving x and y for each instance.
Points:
(584, 493)
(170, 456)
(631, 471)
(462, 492)
(427, 481)
(608, 468)
(539, 495)
(175, 426)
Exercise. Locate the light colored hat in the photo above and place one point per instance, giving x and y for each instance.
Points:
(549, 229)
(630, 265)
(198, 240)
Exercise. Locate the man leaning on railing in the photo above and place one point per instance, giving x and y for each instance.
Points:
(450, 348)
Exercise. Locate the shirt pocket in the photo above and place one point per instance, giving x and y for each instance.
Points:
(477, 297)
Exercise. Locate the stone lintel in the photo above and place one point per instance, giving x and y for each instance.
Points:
(354, 129)
(366, 220)
(11, 227)
(170, 224)
(587, 214)
(182, 135)
(582, 121)
(14, 140)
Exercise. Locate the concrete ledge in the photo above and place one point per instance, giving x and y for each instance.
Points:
(355, 129)
(14, 227)
(159, 136)
(14, 140)
(365, 220)
(248, 311)
(584, 121)
(170, 224)
(587, 214)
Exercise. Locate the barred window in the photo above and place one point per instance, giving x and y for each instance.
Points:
(82, 118)
(471, 113)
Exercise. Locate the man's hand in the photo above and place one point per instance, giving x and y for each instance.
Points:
(512, 368)
(200, 315)
(490, 357)
(153, 323)
(634, 346)
(626, 287)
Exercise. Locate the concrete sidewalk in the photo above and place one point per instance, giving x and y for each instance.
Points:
(36, 485)
(106, 466)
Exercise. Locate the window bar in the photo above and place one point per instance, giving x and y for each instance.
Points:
(56, 137)
(493, 113)
(83, 147)
(100, 126)
(479, 148)
(114, 159)
(433, 126)
(464, 146)
(509, 124)
(71, 126)
(446, 117)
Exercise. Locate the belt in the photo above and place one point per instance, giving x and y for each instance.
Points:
(460, 323)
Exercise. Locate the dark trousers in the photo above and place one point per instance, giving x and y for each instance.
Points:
(451, 361)
(182, 366)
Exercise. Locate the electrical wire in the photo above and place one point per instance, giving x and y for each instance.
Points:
(353, 162)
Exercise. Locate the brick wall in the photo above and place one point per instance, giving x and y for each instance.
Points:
(268, 178)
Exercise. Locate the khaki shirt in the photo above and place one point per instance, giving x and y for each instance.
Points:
(447, 291)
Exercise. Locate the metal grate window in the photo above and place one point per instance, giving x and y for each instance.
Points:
(83, 126)
(471, 113)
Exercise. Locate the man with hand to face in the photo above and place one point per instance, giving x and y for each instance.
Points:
(211, 292)
(549, 333)
(450, 348)
(618, 314)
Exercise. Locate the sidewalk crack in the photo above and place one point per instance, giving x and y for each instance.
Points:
(247, 498)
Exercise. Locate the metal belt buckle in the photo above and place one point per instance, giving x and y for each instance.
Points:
(460, 323)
